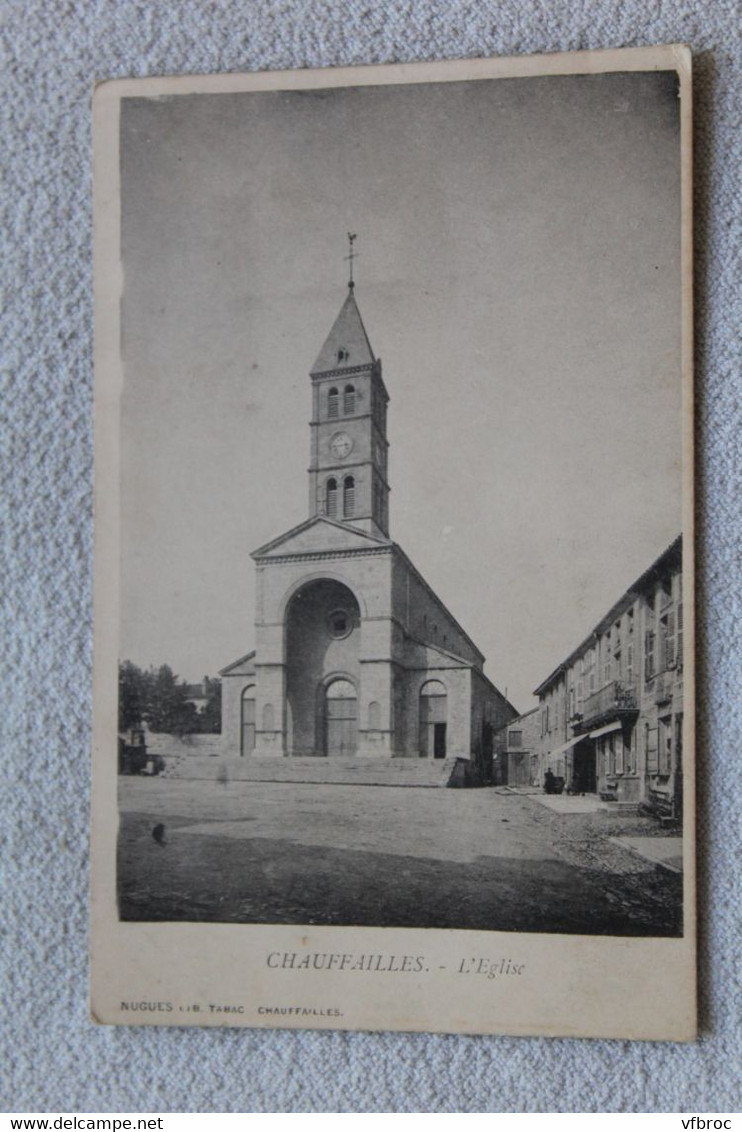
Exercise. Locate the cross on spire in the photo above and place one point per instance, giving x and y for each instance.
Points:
(352, 254)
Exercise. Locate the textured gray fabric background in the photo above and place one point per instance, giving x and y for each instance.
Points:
(53, 1057)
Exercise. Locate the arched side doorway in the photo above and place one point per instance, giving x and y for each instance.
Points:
(247, 720)
(433, 720)
(340, 719)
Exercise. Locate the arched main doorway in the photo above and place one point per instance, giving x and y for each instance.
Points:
(247, 720)
(433, 720)
(340, 719)
(322, 641)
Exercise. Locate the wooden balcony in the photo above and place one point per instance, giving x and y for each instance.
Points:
(615, 701)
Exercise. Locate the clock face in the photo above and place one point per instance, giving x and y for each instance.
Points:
(341, 445)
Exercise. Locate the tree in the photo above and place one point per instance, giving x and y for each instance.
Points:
(210, 716)
(134, 695)
(158, 698)
(168, 709)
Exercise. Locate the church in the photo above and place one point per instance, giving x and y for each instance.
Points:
(355, 656)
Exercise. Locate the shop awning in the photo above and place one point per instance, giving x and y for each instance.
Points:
(615, 726)
(567, 746)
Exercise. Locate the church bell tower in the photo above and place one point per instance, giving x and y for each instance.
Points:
(348, 462)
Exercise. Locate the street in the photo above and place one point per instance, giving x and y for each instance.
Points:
(250, 852)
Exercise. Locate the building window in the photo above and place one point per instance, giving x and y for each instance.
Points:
(349, 497)
(333, 403)
(374, 716)
(268, 717)
(349, 400)
(590, 671)
(664, 754)
(649, 658)
(331, 498)
(630, 664)
(515, 739)
(343, 355)
(679, 637)
(667, 630)
(433, 720)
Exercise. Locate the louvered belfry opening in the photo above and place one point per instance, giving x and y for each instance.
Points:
(331, 498)
(349, 497)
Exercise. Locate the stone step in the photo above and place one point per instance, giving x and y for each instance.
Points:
(359, 771)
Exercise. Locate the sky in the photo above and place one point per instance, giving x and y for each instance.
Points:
(519, 276)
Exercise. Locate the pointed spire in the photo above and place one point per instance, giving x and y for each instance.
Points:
(347, 344)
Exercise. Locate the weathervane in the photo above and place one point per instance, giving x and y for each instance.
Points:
(352, 254)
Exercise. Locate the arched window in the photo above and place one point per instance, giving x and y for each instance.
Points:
(433, 720)
(267, 717)
(343, 354)
(247, 721)
(374, 715)
(349, 400)
(331, 498)
(349, 497)
(341, 719)
(333, 403)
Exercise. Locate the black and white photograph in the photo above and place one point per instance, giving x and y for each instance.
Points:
(402, 617)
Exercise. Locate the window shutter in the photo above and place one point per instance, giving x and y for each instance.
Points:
(670, 641)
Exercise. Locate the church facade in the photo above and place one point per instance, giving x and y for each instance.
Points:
(355, 656)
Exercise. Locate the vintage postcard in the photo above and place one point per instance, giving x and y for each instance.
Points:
(394, 699)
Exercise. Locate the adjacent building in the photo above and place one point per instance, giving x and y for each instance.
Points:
(517, 751)
(355, 655)
(611, 714)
